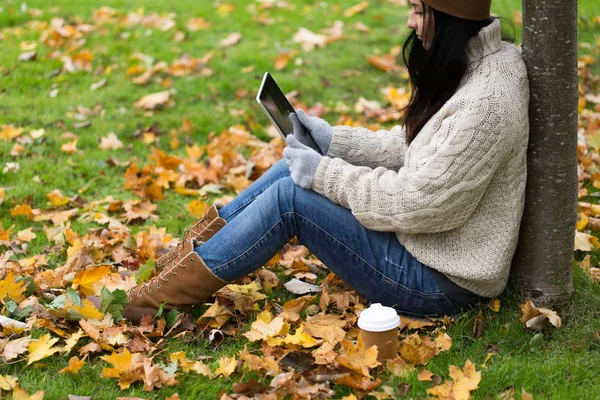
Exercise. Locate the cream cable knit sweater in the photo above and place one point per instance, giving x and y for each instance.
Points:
(455, 196)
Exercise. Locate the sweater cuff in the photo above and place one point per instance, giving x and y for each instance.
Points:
(341, 141)
(319, 179)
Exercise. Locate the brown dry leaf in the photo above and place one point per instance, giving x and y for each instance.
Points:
(414, 350)
(399, 367)
(75, 364)
(358, 358)
(197, 24)
(15, 348)
(26, 235)
(309, 40)
(42, 348)
(110, 142)
(154, 101)
(385, 63)
(425, 376)
(8, 382)
(535, 318)
(359, 382)
(283, 59)
(69, 147)
(414, 324)
(264, 364)
(356, 9)
(525, 395)
(138, 210)
(585, 242)
(231, 40)
(326, 326)
(218, 315)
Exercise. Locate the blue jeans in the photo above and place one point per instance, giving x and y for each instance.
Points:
(273, 209)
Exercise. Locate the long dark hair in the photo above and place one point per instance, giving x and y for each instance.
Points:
(435, 73)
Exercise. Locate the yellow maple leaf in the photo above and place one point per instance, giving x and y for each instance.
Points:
(9, 132)
(120, 362)
(197, 208)
(75, 364)
(9, 287)
(72, 341)
(5, 234)
(84, 280)
(465, 380)
(20, 394)
(57, 198)
(87, 310)
(226, 366)
(225, 9)
(265, 326)
(358, 358)
(42, 348)
(299, 338)
(22, 209)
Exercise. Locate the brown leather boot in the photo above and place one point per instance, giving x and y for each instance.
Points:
(185, 281)
(198, 231)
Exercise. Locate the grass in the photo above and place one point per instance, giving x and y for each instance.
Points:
(564, 367)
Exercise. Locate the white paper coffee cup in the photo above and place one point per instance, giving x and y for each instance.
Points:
(379, 326)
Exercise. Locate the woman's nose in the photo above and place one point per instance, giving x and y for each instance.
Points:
(411, 22)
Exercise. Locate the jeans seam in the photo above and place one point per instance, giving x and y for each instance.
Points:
(408, 290)
(430, 294)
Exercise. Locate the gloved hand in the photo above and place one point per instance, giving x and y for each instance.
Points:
(303, 162)
(309, 130)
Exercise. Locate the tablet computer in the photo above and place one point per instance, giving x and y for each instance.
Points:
(276, 105)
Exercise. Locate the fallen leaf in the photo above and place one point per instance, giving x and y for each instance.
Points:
(42, 348)
(75, 364)
(231, 40)
(110, 142)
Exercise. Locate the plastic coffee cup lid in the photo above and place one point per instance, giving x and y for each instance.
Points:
(378, 318)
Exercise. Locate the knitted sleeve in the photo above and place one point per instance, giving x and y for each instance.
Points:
(362, 147)
(445, 180)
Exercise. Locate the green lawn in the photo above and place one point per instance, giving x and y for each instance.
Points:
(564, 367)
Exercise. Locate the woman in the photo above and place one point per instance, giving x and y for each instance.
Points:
(424, 217)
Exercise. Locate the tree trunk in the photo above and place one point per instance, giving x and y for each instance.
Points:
(542, 264)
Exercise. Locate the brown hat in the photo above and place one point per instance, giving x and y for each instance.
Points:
(476, 10)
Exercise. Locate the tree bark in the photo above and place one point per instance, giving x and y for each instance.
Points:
(542, 265)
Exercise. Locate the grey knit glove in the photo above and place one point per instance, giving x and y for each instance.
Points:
(311, 130)
(303, 162)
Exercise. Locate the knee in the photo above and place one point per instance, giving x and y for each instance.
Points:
(286, 192)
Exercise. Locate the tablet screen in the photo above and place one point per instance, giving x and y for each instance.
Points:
(276, 105)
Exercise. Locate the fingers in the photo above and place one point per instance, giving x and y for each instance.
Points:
(293, 142)
(304, 119)
(298, 127)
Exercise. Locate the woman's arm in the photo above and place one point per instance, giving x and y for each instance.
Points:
(362, 147)
(443, 187)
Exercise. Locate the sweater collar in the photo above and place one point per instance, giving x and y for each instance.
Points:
(488, 41)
